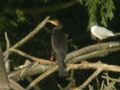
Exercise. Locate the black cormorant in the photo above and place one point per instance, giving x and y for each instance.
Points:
(59, 43)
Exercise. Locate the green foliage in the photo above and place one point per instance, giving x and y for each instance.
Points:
(20, 15)
(81, 1)
(13, 23)
(92, 9)
(106, 11)
(100, 10)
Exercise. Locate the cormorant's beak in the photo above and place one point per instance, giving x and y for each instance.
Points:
(53, 22)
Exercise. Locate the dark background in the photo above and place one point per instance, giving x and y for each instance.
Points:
(75, 23)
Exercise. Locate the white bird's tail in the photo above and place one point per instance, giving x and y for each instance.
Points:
(117, 34)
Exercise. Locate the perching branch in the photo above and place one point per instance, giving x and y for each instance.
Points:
(93, 51)
(35, 69)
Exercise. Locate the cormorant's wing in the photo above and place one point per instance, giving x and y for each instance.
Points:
(59, 44)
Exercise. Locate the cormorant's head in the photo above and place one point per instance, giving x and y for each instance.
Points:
(54, 22)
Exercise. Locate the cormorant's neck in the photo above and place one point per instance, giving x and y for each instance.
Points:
(58, 27)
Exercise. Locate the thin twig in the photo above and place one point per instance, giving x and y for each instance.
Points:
(7, 47)
(112, 79)
(72, 81)
(102, 85)
(111, 86)
(36, 87)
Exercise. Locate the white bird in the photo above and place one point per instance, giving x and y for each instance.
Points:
(101, 32)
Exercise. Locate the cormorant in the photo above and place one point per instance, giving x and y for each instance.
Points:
(59, 42)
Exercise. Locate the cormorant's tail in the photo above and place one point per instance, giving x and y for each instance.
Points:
(61, 68)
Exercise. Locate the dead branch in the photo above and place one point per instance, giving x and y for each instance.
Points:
(38, 69)
(36, 87)
(90, 78)
(71, 84)
(110, 84)
(7, 47)
(30, 35)
(95, 54)
(93, 49)
(111, 79)
(41, 61)
(88, 65)
(6, 60)
(34, 69)
(83, 65)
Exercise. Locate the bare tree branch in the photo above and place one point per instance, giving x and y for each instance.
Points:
(93, 51)
(112, 79)
(7, 47)
(92, 48)
(41, 61)
(88, 65)
(33, 70)
(36, 87)
(90, 78)
(30, 35)
(37, 69)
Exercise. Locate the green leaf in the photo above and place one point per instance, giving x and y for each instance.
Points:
(13, 23)
(20, 16)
